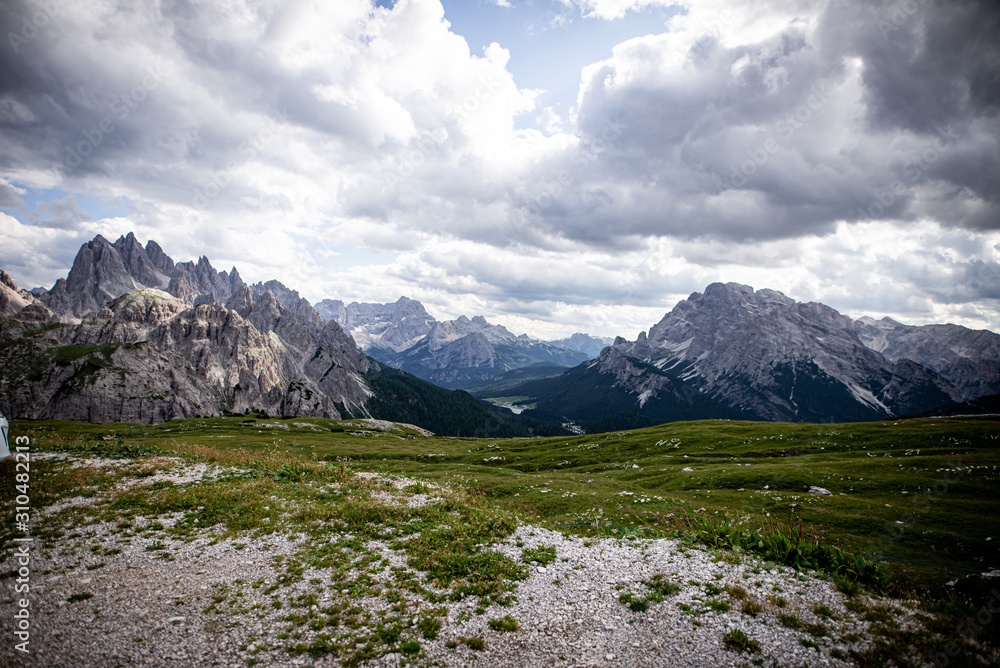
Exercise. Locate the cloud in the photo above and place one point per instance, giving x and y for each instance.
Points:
(64, 214)
(744, 124)
(614, 9)
(10, 195)
(740, 141)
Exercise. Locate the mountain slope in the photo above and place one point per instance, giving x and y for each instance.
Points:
(968, 358)
(615, 384)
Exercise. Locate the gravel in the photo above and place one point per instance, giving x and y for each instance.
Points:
(149, 611)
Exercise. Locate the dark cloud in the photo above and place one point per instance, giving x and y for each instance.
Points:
(884, 111)
(10, 197)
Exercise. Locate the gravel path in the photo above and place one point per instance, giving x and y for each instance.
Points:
(97, 600)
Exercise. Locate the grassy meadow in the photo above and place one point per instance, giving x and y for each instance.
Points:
(916, 490)
(923, 490)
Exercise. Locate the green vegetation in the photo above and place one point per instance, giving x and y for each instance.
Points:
(506, 624)
(919, 490)
(738, 641)
(659, 587)
(922, 490)
(400, 397)
(542, 554)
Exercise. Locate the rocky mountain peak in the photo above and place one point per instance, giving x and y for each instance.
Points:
(241, 301)
(5, 279)
(764, 352)
(160, 260)
(288, 298)
(137, 263)
(12, 298)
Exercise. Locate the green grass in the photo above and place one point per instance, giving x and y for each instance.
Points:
(920, 490)
(738, 641)
(504, 624)
(543, 554)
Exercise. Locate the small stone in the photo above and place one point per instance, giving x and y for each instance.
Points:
(175, 620)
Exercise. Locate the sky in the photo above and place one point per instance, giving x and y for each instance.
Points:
(558, 166)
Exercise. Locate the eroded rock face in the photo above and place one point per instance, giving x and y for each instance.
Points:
(149, 357)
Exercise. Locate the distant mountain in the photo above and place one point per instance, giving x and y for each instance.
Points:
(130, 335)
(584, 343)
(389, 327)
(463, 353)
(969, 358)
(760, 354)
(455, 354)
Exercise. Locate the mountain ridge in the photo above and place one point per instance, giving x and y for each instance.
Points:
(184, 340)
(729, 351)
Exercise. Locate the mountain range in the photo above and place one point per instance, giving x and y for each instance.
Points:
(131, 335)
(736, 352)
(457, 354)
